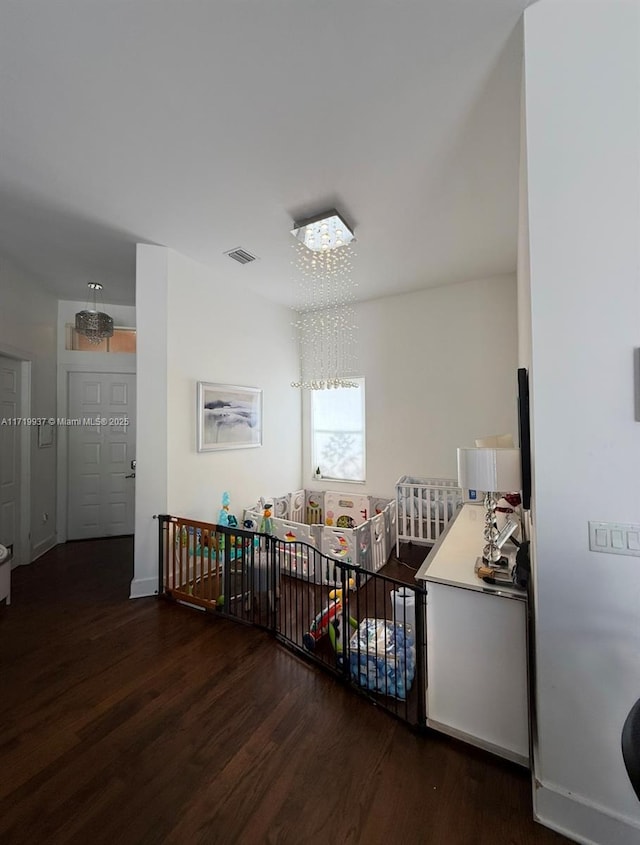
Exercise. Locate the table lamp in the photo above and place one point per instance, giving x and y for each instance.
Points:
(494, 471)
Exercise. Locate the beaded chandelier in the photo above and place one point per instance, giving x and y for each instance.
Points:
(325, 321)
(93, 324)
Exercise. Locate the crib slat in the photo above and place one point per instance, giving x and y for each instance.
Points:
(424, 508)
(209, 575)
(174, 552)
(168, 556)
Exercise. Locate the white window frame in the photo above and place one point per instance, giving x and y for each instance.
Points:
(314, 457)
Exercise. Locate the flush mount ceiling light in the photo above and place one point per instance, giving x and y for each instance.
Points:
(95, 325)
(325, 322)
(323, 232)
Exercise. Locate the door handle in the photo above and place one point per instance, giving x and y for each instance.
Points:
(133, 475)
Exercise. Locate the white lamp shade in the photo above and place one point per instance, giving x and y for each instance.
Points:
(489, 470)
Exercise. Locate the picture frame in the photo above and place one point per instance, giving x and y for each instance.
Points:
(228, 417)
(45, 435)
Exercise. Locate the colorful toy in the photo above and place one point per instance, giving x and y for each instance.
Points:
(223, 515)
(342, 549)
(337, 634)
(266, 525)
(330, 621)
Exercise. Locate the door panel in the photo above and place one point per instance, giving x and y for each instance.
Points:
(9, 452)
(100, 451)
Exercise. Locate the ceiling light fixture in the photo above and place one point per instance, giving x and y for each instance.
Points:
(93, 324)
(325, 323)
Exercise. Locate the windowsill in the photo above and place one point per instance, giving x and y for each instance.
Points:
(337, 480)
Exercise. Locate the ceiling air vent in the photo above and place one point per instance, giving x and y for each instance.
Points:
(241, 256)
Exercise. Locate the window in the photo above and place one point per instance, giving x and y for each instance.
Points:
(123, 340)
(337, 431)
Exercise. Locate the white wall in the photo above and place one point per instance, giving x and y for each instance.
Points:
(524, 276)
(152, 402)
(28, 316)
(192, 327)
(582, 64)
(441, 369)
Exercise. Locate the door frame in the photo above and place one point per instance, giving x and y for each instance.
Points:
(115, 364)
(24, 551)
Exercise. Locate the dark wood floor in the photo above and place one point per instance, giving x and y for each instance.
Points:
(146, 722)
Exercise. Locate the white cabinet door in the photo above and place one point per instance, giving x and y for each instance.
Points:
(101, 497)
(477, 668)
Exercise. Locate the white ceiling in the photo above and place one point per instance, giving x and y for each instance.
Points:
(205, 125)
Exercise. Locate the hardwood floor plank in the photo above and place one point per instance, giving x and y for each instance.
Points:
(143, 721)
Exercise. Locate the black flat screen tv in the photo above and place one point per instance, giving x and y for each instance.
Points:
(524, 433)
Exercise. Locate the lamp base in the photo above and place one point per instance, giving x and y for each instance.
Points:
(497, 576)
(501, 563)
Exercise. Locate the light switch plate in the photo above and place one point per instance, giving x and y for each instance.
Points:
(615, 538)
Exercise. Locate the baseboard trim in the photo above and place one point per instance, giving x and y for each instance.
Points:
(44, 546)
(485, 745)
(143, 587)
(581, 820)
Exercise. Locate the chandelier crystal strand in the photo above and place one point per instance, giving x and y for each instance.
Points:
(325, 322)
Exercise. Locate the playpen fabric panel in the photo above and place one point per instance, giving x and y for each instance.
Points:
(296, 506)
(345, 510)
(377, 504)
(298, 540)
(390, 523)
(290, 532)
(299, 560)
(379, 546)
(424, 508)
(313, 506)
(280, 506)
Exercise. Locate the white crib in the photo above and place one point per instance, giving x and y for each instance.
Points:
(425, 506)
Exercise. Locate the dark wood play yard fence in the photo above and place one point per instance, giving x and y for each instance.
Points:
(365, 627)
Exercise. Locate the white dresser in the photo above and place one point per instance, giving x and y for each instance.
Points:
(477, 658)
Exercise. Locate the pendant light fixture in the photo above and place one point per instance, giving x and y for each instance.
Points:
(95, 325)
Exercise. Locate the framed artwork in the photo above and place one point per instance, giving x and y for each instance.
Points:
(45, 435)
(228, 417)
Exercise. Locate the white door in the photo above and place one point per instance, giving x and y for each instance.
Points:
(9, 453)
(101, 444)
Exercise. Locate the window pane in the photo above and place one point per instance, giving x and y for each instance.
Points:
(340, 455)
(338, 432)
(81, 344)
(123, 340)
(339, 408)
